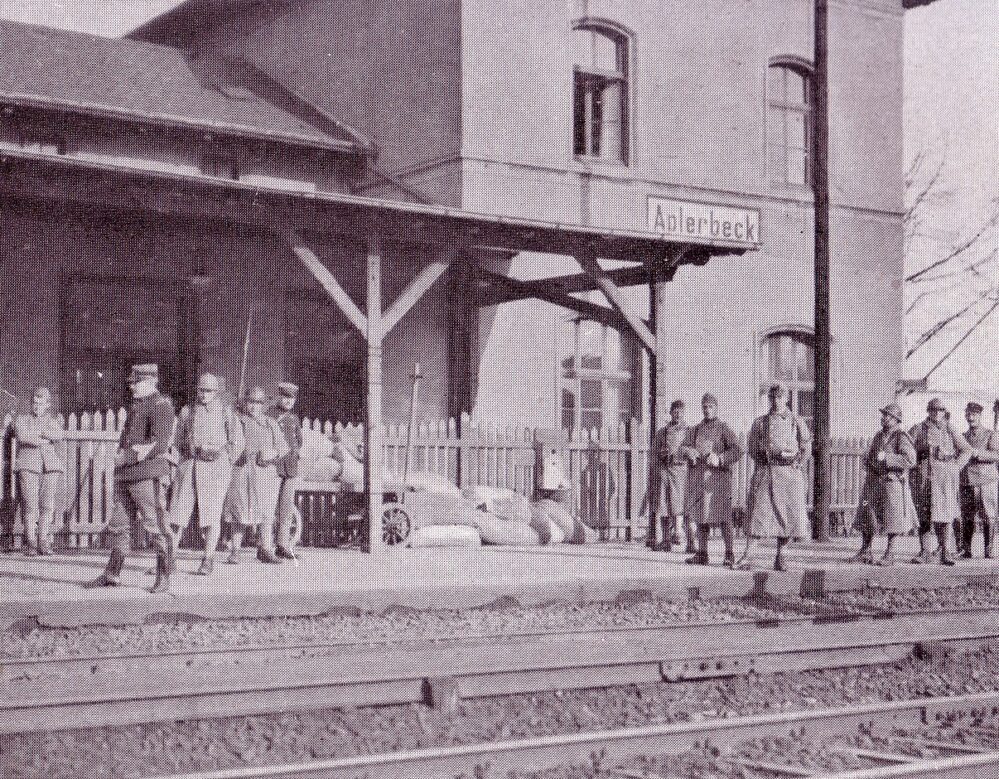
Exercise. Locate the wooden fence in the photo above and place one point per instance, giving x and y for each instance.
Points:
(607, 469)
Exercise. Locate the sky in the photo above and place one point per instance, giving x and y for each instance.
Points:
(951, 115)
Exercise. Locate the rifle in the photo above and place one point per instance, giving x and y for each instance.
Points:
(246, 354)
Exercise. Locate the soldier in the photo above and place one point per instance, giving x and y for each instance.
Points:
(142, 469)
(210, 439)
(287, 467)
(779, 444)
(253, 495)
(38, 467)
(885, 499)
(941, 454)
(670, 474)
(979, 482)
(712, 449)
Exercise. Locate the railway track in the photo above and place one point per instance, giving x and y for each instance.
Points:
(133, 689)
(609, 752)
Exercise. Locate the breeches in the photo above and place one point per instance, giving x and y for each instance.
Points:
(37, 493)
(145, 499)
(286, 509)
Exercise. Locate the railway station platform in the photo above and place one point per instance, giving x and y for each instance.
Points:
(50, 589)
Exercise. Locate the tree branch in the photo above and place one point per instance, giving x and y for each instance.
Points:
(961, 249)
(964, 338)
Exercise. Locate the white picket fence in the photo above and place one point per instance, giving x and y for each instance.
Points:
(607, 468)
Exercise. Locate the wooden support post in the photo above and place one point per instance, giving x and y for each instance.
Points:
(823, 350)
(652, 485)
(373, 428)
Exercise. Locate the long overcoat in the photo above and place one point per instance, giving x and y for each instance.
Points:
(709, 488)
(779, 445)
(885, 498)
(255, 488)
(941, 453)
(669, 484)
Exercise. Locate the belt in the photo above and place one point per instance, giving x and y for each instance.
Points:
(777, 459)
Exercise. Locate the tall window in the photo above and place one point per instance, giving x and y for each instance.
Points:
(596, 380)
(600, 93)
(789, 124)
(788, 357)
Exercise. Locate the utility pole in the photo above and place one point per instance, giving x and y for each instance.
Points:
(820, 183)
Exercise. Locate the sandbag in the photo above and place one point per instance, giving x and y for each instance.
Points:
(434, 483)
(444, 535)
(429, 509)
(501, 502)
(319, 469)
(557, 513)
(503, 532)
(548, 531)
(582, 534)
(352, 469)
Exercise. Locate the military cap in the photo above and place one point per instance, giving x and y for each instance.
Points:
(894, 411)
(144, 371)
(936, 405)
(677, 404)
(209, 381)
(709, 398)
(777, 389)
(256, 395)
(287, 389)
(42, 393)
(975, 408)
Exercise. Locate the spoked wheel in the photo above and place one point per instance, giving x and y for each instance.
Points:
(396, 524)
(295, 531)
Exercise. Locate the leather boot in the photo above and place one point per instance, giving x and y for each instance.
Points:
(701, 555)
(267, 556)
(207, 566)
(888, 558)
(945, 558)
(112, 571)
(988, 529)
(864, 555)
(924, 556)
(162, 583)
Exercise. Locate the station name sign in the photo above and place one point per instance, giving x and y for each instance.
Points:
(685, 220)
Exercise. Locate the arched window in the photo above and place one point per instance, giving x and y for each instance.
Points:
(789, 357)
(789, 123)
(600, 93)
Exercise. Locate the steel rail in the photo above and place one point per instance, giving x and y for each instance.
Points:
(832, 615)
(615, 746)
(985, 764)
(362, 681)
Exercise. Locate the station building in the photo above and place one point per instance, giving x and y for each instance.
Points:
(610, 120)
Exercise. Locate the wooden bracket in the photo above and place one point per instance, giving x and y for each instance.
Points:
(328, 282)
(613, 294)
(417, 288)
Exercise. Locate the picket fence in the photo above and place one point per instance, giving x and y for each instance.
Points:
(607, 469)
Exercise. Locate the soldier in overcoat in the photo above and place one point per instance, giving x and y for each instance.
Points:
(668, 488)
(287, 467)
(979, 482)
(209, 439)
(780, 445)
(141, 479)
(885, 499)
(253, 494)
(38, 467)
(712, 449)
(941, 453)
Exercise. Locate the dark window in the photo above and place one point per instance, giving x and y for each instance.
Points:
(789, 120)
(600, 94)
(789, 357)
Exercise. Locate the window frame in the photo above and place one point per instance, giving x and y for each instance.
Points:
(801, 337)
(572, 375)
(623, 40)
(803, 69)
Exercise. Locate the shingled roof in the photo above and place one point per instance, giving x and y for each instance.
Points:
(130, 79)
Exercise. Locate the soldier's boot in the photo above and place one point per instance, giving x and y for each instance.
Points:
(701, 555)
(864, 555)
(112, 571)
(206, 567)
(888, 558)
(945, 558)
(30, 550)
(987, 530)
(924, 556)
(967, 536)
(674, 531)
(688, 528)
(162, 583)
(779, 562)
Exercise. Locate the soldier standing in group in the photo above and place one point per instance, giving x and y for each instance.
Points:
(979, 482)
(142, 469)
(670, 476)
(38, 468)
(287, 467)
(210, 439)
(253, 496)
(779, 443)
(712, 449)
(941, 453)
(885, 498)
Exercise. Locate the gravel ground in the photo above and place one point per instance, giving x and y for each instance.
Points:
(875, 598)
(635, 609)
(294, 737)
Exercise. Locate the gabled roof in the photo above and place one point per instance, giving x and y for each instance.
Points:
(138, 81)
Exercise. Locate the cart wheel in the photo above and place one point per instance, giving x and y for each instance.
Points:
(295, 530)
(395, 524)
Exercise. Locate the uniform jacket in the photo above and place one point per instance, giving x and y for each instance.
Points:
(669, 470)
(779, 443)
(709, 488)
(255, 488)
(982, 467)
(941, 454)
(885, 498)
(150, 420)
(291, 426)
(37, 453)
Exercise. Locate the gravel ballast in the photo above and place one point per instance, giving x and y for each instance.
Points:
(297, 737)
